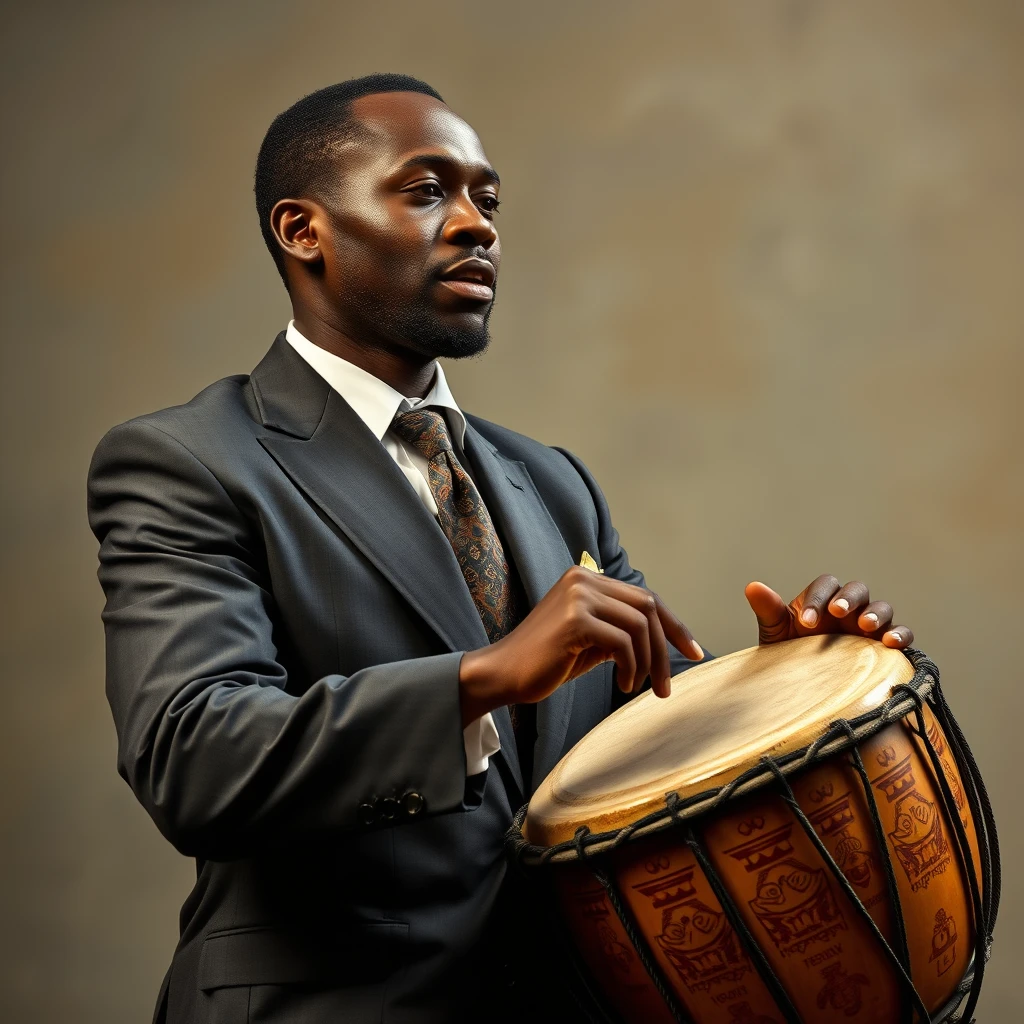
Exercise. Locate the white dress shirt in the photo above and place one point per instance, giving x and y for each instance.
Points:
(376, 404)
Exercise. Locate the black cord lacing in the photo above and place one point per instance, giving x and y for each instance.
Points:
(906, 700)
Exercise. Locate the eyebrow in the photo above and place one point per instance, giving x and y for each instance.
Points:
(445, 163)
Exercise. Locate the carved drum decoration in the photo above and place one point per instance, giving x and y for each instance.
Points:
(799, 833)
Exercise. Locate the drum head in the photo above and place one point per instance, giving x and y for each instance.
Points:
(720, 720)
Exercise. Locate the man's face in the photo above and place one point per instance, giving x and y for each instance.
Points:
(411, 254)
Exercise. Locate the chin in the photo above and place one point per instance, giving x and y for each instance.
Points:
(454, 344)
(451, 337)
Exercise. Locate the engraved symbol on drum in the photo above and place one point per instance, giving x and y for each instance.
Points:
(696, 939)
(660, 863)
(823, 792)
(920, 846)
(796, 906)
(897, 781)
(620, 955)
(593, 903)
(701, 945)
(741, 1013)
(841, 990)
(935, 739)
(593, 906)
(764, 850)
(834, 821)
(751, 825)
(958, 793)
(939, 745)
(886, 756)
(943, 941)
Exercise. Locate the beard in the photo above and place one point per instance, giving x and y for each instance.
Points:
(419, 325)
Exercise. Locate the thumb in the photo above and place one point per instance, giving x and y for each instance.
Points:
(773, 616)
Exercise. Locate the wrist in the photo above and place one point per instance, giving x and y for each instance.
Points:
(479, 686)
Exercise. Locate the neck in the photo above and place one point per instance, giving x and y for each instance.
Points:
(409, 373)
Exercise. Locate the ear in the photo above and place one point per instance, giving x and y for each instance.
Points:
(295, 223)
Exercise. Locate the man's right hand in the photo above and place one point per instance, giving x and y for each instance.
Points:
(585, 619)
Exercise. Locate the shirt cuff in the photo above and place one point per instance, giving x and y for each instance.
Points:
(481, 741)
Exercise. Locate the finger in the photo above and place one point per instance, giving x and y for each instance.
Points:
(814, 599)
(771, 611)
(875, 618)
(634, 622)
(661, 667)
(639, 598)
(678, 634)
(618, 647)
(849, 598)
(898, 637)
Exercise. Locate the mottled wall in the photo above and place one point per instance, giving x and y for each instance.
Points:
(762, 272)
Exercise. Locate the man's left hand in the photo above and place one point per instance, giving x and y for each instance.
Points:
(825, 607)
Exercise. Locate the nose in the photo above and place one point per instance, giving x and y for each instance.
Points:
(469, 226)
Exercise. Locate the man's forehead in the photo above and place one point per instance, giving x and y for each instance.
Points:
(401, 124)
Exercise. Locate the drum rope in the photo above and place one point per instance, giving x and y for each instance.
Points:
(643, 950)
(833, 741)
(739, 925)
(976, 791)
(789, 798)
(982, 936)
(904, 700)
(964, 756)
(579, 986)
(899, 925)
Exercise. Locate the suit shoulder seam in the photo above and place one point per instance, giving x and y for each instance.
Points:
(143, 422)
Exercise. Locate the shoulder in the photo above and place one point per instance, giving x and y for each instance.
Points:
(534, 454)
(560, 476)
(217, 410)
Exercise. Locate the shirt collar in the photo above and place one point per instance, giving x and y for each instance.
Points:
(375, 402)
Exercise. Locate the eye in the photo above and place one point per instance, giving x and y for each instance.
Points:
(489, 203)
(427, 189)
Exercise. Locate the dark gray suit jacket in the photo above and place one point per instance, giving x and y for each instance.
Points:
(284, 624)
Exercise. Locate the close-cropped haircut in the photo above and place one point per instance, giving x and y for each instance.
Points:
(294, 161)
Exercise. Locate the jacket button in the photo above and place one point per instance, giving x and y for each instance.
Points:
(388, 807)
(413, 803)
(367, 814)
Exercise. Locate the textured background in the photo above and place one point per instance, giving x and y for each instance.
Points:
(762, 272)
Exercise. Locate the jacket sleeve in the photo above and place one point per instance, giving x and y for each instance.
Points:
(226, 761)
(615, 562)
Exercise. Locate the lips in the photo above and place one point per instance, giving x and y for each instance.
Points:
(474, 270)
(471, 279)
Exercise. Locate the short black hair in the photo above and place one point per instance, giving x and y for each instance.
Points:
(295, 152)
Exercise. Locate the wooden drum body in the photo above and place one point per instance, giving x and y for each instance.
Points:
(789, 837)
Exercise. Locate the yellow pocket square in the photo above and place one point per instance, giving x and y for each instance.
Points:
(587, 561)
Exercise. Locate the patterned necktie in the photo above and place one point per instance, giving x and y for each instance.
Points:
(465, 521)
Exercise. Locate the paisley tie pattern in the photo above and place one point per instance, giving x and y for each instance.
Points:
(464, 519)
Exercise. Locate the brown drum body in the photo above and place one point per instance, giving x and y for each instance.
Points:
(812, 934)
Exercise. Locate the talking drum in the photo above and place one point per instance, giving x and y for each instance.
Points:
(799, 833)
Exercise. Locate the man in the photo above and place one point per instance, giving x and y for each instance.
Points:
(347, 633)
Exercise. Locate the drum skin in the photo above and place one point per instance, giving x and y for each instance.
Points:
(814, 937)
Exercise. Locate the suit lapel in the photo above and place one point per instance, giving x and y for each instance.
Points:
(541, 557)
(330, 454)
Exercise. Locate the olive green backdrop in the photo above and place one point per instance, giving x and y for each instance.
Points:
(762, 272)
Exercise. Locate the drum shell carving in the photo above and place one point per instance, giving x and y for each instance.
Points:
(605, 948)
(812, 934)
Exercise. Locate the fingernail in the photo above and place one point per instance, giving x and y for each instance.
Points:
(873, 619)
(842, 604)
(809, 617)
(699, 650)
(896, 637)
